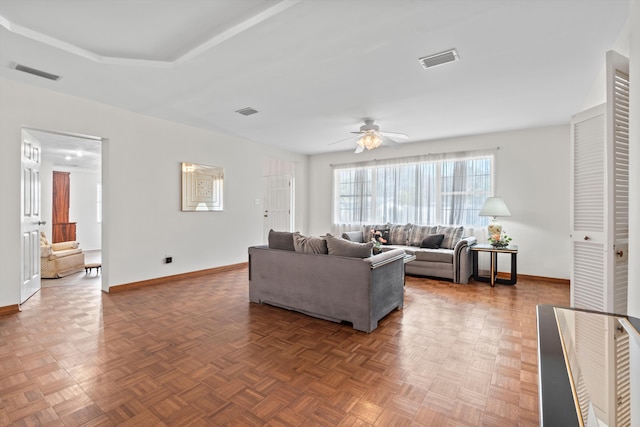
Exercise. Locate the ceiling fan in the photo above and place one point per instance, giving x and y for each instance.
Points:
(369, 137)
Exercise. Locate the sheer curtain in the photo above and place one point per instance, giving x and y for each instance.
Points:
(434, 189)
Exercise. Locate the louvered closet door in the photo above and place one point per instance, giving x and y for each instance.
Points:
(618, 137)
(588, 209)
(600, 197)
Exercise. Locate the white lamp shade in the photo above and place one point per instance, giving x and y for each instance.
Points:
(494, 206)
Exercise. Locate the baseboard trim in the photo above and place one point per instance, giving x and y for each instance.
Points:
(10, 309)
(166, 279)
(546, 279)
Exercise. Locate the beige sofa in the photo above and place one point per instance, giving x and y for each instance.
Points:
(59, 259)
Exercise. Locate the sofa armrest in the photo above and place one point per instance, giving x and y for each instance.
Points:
(462, 260)
(384, 258)
(45, 251)
(354, 236)
(63, 246)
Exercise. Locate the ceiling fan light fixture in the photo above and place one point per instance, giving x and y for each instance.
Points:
(370, 141)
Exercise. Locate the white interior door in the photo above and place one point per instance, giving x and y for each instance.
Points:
(600, 197)
(588, 209)
(278, 204)
(30, 223)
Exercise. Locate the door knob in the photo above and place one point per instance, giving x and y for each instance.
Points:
(587, 238)
(41, 222)
(620, 253)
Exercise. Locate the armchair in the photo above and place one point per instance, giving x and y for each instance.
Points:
(59, 259)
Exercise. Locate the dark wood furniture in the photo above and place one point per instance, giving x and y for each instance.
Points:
(493, 277)
(61, 229)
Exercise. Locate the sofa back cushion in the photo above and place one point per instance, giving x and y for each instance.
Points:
(399, 234)
(341, 247)
(309, 244)
(452, 235)
(419, 232)
(281, 240)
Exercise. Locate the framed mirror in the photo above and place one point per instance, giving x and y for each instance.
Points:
(202, 187)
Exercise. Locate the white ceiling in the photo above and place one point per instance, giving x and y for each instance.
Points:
(314, 69)
(69, 151)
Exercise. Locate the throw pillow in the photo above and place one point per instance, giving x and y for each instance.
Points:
(281, 240)
(452, 235)
(432, 241)
(399, 234)
(419, 232)
(342, 247)
(310, 245)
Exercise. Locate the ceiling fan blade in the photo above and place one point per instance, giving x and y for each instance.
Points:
(395, 135)
(388, 141)
(359, 150)
(342, 140)
(358, 133)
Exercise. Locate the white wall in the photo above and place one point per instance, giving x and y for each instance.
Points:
(83, 208)
(46, 197)
(142, 221)
(532, 176)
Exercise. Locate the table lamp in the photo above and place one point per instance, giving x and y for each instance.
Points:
(494, 207)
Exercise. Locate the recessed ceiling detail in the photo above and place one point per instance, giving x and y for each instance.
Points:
(141, 55)
(439, 58)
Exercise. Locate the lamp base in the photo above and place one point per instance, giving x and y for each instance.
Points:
(494, 228)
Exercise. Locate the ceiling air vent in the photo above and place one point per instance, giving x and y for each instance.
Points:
(35, 72)
(439, 58)
(247, 111)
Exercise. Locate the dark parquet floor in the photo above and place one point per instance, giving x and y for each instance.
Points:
(196, 352)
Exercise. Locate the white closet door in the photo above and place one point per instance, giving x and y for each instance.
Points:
(588, 209)
(600, 197)
(618, 144)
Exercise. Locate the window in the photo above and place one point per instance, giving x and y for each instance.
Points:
(442, 189)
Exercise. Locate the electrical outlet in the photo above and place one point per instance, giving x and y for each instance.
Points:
(168, 260)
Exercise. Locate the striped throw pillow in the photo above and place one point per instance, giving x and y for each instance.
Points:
(452, 235)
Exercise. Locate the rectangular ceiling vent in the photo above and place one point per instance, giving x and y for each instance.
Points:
(439, 58)
(247, 111)
(36, 72)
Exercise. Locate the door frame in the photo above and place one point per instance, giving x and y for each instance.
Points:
(104, 145)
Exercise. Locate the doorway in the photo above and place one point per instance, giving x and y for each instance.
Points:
(80, 158)
(278, 191)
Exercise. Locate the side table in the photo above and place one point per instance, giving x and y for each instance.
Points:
(493, 279)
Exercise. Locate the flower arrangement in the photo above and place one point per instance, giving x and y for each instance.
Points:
(377, 239)
(499, 240)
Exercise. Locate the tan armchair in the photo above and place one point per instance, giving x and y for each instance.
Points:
(59, 259)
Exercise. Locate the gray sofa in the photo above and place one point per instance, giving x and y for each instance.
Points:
(452, 261)
(337, 288)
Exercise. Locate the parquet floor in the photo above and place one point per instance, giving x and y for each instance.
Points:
(196, 352)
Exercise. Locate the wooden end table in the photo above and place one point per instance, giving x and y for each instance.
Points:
(493, 279)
